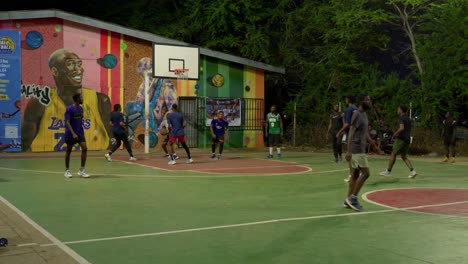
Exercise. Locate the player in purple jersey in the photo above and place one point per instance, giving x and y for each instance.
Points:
(218, 128)
(117, 122)
(74, 134)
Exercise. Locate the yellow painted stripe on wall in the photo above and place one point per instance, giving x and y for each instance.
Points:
(122, 56)
(250, 78)
(109, 76)
(255, 139)
(191, 88)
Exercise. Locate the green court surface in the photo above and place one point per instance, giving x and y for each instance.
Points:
(128, 213)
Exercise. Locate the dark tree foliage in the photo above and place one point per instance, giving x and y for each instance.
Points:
(398, 51)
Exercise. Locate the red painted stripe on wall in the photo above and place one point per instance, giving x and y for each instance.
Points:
(103, 51)
(115, 72)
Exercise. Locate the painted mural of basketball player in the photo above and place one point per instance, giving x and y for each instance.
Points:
(167, 97)
(162, 91)
(43, 127)
(145, 67)
(162, 94)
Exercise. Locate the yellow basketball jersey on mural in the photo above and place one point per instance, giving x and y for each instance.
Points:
(51, 134)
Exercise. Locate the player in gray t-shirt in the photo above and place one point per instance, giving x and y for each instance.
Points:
(402, 143)
(357, 140)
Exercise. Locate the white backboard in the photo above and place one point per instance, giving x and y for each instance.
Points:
(167, 58)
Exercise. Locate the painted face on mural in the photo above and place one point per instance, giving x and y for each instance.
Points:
(72, 70)
(67, 69)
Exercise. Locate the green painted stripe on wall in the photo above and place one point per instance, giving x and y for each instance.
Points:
(204, 138)
(210, 70)
(236, 84)
(202, 83)
(236, 139)
(223, 69)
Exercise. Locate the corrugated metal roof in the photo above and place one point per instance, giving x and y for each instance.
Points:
(31, 14)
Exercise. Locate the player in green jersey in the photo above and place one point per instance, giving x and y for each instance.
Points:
(274, 128)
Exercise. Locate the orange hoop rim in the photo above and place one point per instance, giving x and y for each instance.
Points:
(179, 71)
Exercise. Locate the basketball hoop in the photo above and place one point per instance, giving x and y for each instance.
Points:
(182, 74)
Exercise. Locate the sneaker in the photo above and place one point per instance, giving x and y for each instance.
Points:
(166, 155)
(412, 174)
(176, 157)
(446, 159)
(352, 201)
(108, 157)
(133, 159)
(345, 205)
(269, 156)
(171, 162)
(68, 174)
(452, 160)
(219, 157)
(83, 173)
(213, 156)
(386, 173)
(347, 179)
(189, 160)
(280, 155)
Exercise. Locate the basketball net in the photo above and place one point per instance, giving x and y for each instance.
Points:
(182, 74)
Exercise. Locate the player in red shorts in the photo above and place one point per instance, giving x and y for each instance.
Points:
(175, 121)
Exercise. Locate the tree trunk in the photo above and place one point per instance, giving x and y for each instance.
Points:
(409, 32)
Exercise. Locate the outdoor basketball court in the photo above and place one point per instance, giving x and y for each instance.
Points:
(242, 209)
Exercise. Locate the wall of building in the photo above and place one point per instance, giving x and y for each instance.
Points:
(111, 71)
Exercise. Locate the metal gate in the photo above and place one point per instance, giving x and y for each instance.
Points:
(194, 111)
(189, 107)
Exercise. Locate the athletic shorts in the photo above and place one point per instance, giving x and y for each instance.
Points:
(449, 141)
(400, 147)
(166, 140)
(73, 141)
(274, 139)
(173, 139)
(359, 161)
(218, 139)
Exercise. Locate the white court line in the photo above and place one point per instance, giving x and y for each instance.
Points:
(255, 223)
(308, 169)
(27, 244)
(213, 175)
(256, 167)
(55, 241)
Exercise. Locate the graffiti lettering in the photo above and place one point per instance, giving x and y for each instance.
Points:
(86, 123)
(57, 123)
(32, 90)
(61, 142)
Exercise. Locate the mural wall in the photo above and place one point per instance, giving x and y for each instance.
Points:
(10, 95)
(61, 58)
